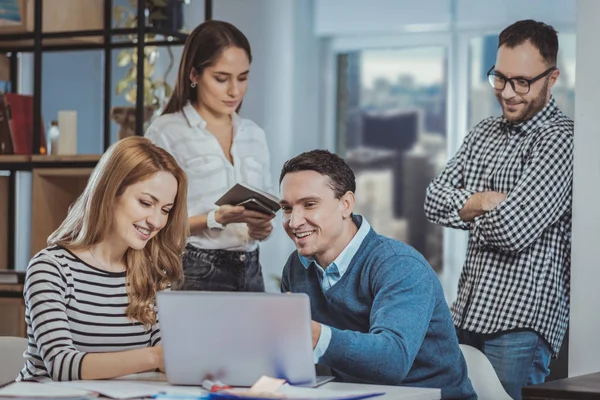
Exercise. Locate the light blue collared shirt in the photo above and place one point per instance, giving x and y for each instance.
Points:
(331, 275)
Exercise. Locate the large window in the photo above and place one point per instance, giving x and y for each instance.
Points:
(391, 128)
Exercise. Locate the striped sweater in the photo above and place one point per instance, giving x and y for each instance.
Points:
(72, 309)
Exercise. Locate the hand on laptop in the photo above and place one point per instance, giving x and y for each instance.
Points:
(316, 332)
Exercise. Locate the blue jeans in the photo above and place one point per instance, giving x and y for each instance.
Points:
(520, 358)
(221, 270)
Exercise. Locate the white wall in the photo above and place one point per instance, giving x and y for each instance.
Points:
(584, 351)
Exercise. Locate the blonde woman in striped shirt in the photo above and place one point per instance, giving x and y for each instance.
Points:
(217, 149)
(90, 295)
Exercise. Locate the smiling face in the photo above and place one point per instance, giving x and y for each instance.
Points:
(222, 86)
(319, 224)
(523, 61)
(143, 210)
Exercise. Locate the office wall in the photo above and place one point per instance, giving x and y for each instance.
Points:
(584, 351)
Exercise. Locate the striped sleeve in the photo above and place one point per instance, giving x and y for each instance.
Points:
(155, 337)
(46, 294)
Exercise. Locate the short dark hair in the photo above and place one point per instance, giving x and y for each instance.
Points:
(542, 36)
(325, 163)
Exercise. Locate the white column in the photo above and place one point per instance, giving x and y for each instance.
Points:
(584, 351)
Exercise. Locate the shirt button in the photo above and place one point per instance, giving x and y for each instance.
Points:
(243, 257)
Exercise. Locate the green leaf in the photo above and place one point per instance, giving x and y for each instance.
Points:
(122, 86)
(124, 58)
(130, 96)
(118, 14)
(131, 73)
(131, 21)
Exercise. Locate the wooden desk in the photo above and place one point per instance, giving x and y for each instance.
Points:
(584, 387)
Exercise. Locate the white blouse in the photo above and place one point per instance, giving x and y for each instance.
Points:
(209, 172)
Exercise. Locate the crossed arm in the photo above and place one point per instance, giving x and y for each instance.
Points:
(507, 221)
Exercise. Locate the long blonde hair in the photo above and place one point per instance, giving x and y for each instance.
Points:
(89, 221)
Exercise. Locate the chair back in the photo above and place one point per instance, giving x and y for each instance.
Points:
(11, 354)
(482, 375)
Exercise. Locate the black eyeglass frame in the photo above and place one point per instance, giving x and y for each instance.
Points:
(512, 84)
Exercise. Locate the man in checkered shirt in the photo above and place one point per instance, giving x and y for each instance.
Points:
(509, 185)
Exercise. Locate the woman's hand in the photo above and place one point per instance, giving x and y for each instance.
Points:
(227, 214)
(259, 224)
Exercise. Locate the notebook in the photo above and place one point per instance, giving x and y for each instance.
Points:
(251, 198)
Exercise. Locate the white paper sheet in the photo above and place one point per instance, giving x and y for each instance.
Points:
(41, 390)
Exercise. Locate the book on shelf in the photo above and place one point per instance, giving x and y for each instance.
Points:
(18, 109)
(6, 146)
(243, 194)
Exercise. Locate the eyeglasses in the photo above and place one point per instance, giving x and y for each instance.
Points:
(520, 85)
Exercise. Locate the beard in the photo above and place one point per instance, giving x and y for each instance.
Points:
(531, 108)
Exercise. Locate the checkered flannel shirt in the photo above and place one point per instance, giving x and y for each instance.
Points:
(517, 270)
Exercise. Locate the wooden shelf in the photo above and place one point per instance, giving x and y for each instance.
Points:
(19, 162)
(53, 192)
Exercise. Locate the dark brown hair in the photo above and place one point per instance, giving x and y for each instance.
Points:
(202, 48)
(340, 174)
(542, 36)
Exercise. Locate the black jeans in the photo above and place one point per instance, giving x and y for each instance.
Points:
(221, 271)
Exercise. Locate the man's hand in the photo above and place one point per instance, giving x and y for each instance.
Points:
(316, 332)
(481, 203)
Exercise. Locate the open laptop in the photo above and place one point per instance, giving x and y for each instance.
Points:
(236, 337)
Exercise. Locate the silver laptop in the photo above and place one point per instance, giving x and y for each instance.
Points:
(236, 337)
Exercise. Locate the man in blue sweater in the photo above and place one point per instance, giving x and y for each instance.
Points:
(378, 309)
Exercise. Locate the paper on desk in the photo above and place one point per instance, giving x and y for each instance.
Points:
(128, 389)
(110, 388)
(34, 390)
(270, 388)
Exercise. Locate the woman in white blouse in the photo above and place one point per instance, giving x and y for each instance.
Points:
(217, 148)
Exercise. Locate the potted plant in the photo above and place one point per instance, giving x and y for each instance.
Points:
(162, 14)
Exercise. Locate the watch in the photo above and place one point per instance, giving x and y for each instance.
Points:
(211, 222)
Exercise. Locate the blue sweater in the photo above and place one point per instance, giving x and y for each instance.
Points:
(389, 320)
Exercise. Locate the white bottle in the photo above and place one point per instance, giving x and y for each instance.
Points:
(53, 134)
